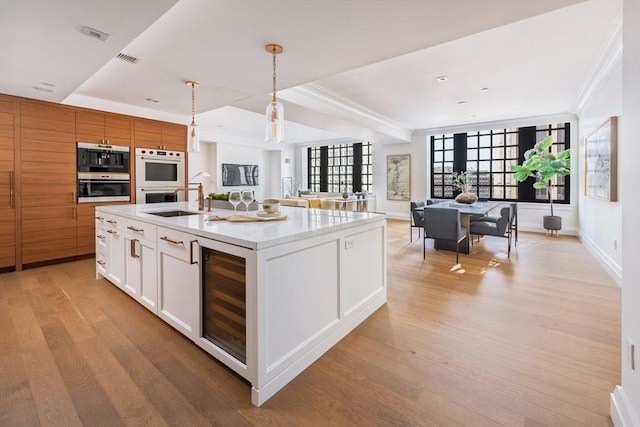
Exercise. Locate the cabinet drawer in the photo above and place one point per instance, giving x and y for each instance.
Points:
(141, 230)
(177, 244)
(109, 221)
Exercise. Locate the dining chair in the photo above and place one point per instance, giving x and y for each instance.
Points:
(502, 227)
(417, 219)
(443, 224)
(514, 220)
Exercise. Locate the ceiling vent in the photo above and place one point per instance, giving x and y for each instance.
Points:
(93, 33)
(128, 58)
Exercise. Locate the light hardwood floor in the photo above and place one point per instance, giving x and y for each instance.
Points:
(529, 341)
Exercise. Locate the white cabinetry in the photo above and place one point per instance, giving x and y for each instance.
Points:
(140, 266)
(101, 246)
(126, 256)
(115, 253)
(179, 281)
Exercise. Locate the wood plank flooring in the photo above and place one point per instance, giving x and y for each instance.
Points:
(533, 340)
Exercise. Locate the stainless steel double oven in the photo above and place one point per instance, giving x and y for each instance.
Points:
(103, 173)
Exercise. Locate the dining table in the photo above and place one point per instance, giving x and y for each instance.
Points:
(467, 212)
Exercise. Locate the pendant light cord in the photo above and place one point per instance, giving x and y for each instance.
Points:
(193, 104)
(274, 75)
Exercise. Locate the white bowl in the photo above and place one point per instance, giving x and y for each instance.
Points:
(271, 205)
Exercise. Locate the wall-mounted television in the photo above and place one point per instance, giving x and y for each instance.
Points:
(236, 175)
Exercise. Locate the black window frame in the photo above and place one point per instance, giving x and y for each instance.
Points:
(341, 167)
(489, 154)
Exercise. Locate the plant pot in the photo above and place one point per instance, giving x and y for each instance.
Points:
(553, 223)
(466, 197)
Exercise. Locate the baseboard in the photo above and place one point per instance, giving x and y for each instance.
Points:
(614, 270)
(621, 411)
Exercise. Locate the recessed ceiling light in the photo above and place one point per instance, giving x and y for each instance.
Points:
(442, 79)
(462, 102)
(93, 33)
(155, 101)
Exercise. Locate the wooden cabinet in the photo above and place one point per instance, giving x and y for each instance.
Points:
(8, 115)
(47, 181)
(85, 231)
(178, 281)
(159, 135)
(174, 137)
(40, 219)
(103, 128)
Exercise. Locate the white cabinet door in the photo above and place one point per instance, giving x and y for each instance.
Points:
(179, 281)
(132, 266)
(140, 276)
(102, 250)
(115, 257)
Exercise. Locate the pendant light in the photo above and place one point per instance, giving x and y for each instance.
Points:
(194, 131)
(275, 114)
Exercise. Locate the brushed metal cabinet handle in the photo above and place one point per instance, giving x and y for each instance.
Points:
(137, 230)
(100, 218)
(110, 221)
(12, 190)
(112, 232)
(175, 242)
(101, 262)
(191, 261)
(134, 248)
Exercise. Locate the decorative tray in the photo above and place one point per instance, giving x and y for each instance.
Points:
(261, 216)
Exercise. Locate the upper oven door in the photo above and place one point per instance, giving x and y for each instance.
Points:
(153, 170)
(102, 158)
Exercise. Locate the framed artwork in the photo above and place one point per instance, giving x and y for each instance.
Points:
(601, 165)
(399, 177)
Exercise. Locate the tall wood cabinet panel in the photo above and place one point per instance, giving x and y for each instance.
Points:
(85, 230)
(102, 128)
(174, 137)
(48, 181)
(8, 111)
(147, 133)
(159, 135)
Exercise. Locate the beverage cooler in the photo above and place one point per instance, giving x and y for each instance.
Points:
(224, 302)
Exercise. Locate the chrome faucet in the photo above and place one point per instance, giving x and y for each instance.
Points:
(200, 191)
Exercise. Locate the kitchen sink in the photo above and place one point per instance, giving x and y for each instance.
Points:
(172, 213)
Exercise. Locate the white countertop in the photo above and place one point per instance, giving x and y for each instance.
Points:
(301, 223)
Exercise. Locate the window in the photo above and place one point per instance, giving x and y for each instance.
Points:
(487, 157)
(338, 168)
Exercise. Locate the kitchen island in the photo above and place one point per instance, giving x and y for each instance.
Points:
(265, 298)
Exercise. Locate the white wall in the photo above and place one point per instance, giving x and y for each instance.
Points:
(419, 178)
(230, 153)
(203, 161)
(625, 401)
(600, 225)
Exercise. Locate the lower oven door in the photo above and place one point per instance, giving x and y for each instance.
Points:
(158, 195)
(103, 190)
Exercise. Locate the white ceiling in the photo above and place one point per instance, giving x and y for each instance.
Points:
(359, 69)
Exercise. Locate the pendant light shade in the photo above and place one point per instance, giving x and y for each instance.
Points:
(274, 112)
(194, 131)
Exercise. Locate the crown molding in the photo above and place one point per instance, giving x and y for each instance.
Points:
(498, 124)
(319, 98)
(608, 61)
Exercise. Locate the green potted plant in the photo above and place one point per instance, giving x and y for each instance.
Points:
(543, 165)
